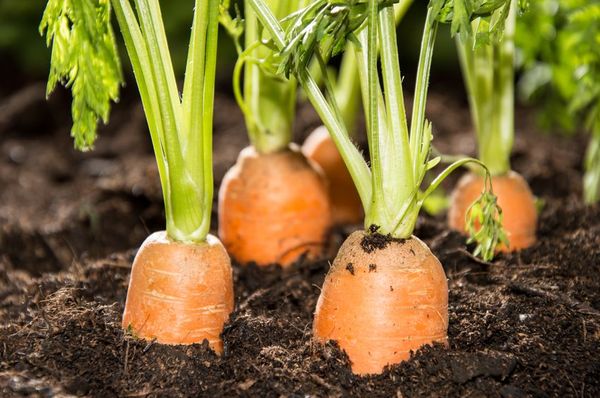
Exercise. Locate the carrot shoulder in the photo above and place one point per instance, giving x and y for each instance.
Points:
(514, 198)
(346, 207)
(273, 208)
(381, 305)
(179, 293)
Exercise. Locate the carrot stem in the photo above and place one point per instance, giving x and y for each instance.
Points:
(489, 78)
(268, 102)
(357, 166)
(181, 131)
(591, 178)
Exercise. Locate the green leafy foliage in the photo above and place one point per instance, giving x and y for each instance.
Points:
(484, 224)
(399, 156)
(234, 26)
(561, 63)
(325, 25)
(85, 59)
(559, 44)
(489, 17)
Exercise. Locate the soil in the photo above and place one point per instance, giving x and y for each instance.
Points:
(376, 241)
(526, 324)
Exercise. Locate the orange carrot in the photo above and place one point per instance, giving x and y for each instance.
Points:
(181, 288)
(382, 304)
(179, 293)
(273, 208)
(346, 207)
(514, 198)
(384, 296)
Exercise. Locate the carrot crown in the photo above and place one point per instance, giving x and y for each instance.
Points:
(84, 58)
(400, 157)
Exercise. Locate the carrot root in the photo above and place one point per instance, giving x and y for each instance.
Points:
(380, 306)
(514, 198)
(346, 207)
(273, 208)
(179, 293)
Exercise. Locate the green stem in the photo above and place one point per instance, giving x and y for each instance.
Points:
(488, 71)
(270, 100)
(376, 212)
(347, 89)
(185, 212)
(140, 61)
(198, 104)
(181, 133)
(400, 179)
(406, 155)
(361, 175)
(591, 177)
(449, 170)
(417, 124)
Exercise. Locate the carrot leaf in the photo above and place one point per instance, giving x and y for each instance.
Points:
(84, 59)
(484, 224)
(489, 15)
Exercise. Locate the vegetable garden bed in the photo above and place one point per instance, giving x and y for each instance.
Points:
(526, 324)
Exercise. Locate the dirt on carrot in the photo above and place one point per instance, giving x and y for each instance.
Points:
(274, 208)
(376, 241)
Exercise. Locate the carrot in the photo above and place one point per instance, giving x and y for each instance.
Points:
(273, 208)
(386, 293)
(514, 198)
(346, 207)
(273, 204)
(381, 305)
(179, 293)
(181, 288)
(488, 70)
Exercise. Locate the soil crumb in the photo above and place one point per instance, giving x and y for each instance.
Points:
(373, 240)
(350, 268)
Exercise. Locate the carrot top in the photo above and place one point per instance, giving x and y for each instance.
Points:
(485, 40)
(400, 156)
(346, 87)
(267, 101)
(84, 58)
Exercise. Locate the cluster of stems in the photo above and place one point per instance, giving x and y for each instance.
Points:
(400, 156)
(488, 71)
(268, 101)
(181, 129)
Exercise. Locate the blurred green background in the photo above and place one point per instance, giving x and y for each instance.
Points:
(23, 51)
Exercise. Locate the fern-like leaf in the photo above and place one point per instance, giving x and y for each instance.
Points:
(84, 58)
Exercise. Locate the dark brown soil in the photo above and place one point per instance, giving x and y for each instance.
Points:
(376, 241)
(527, 324)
